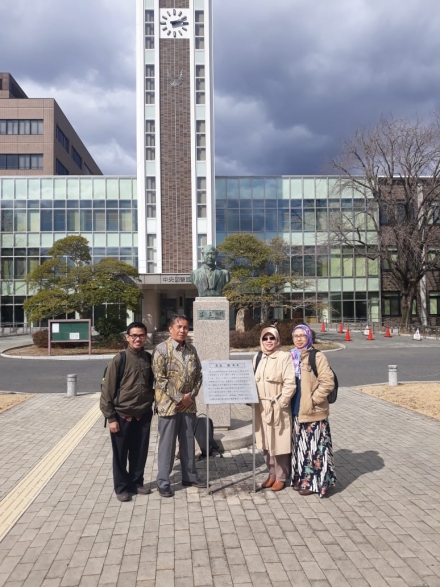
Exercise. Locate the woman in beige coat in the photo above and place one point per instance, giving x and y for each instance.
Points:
(275, 378)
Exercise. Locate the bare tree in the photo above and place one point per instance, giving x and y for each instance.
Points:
(395, 170)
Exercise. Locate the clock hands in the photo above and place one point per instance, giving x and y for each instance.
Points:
(179, 22)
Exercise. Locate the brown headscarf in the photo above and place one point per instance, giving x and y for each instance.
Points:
(274, 331)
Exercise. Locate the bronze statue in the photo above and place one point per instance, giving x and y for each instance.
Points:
(209, 279)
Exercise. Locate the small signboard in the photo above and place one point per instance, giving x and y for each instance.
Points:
(70, 331)
(229, 382)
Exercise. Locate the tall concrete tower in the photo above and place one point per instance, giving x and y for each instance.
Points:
(175, 143)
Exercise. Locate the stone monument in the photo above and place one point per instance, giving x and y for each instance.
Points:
(211, 325)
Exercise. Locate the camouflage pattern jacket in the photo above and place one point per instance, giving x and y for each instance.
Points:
(177, 371)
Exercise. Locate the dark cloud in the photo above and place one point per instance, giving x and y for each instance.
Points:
(291, 78)
(325, 68)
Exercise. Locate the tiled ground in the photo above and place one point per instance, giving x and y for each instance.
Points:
(381, 527)
(30, 430)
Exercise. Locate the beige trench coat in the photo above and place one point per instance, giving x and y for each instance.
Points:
(275, 379)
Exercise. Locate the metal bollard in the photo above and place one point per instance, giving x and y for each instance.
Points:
(71, 385)
(392, 375)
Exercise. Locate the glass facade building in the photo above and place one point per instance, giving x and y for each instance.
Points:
(37, 211)
(299, 210)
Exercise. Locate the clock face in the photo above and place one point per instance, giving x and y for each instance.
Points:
(175, 23)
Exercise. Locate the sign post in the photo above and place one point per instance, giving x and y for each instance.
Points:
(229, 382)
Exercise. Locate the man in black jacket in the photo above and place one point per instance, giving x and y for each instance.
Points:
(129, 413)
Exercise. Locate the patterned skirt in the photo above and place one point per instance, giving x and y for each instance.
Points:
(313, 467)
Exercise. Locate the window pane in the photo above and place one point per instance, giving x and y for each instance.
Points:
(322, 266)
(32, 264)
(6, 267)
(112, 220)
(86, 220)
(347, 266)
(20, 221)
(59, 220)
(33, 221)
(309, 265)
(309, 220)
(46, 220)
(296, 219)
(321, 220)
(73, 220)
(19, 267)
(360, 267)
(335, 266)
(126, 221)
(99, 220)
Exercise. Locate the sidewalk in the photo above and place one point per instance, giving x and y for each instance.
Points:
(381, 526)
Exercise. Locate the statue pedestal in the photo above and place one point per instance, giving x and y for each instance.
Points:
(211, 339)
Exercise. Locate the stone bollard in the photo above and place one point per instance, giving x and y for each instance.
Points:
(71, 385)
(392, 375)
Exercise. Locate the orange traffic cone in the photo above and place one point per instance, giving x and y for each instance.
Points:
(341, 328)
(370, 334)
(388, 332)
(347, 335)
(323, 327)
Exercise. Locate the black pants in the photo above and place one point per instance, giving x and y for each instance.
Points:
(130, 443)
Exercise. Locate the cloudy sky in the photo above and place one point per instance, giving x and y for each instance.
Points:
(292, 77)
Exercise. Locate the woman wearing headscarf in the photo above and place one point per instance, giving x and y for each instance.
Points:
(275, 381)
(313, 469)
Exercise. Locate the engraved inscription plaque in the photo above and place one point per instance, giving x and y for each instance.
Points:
(211, 314)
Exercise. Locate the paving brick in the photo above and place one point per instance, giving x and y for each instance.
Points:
(368, 533)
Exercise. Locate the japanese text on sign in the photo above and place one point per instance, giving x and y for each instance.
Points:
(229, 382)
(175, 279)
(211, 314)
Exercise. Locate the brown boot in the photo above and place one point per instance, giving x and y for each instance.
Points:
(268, 483)
(278, 486)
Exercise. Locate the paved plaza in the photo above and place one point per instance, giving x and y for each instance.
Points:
(381, 526)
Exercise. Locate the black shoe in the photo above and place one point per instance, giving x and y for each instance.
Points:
(199, 484)
(123, 496)
(143, 490)
(165, 492)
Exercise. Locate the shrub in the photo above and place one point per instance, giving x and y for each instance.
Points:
(41, 339)
(241, 340)
(110, 327)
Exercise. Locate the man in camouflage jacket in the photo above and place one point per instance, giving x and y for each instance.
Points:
(178, 375)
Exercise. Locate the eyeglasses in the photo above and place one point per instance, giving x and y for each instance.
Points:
(268, 338)
(135, 336)
(299, 336)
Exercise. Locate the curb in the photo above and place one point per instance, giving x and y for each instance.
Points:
(66, 358)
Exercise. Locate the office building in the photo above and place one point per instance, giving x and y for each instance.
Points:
(36, 138)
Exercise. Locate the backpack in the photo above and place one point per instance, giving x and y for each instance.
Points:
(200, 436)
(257, 360)
(121, 369)
(333, 395)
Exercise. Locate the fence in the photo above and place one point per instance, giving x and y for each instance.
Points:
(14, 329)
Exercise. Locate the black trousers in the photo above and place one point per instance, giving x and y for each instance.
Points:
(130, 444)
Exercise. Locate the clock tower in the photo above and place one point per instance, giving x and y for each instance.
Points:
(175, 142)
